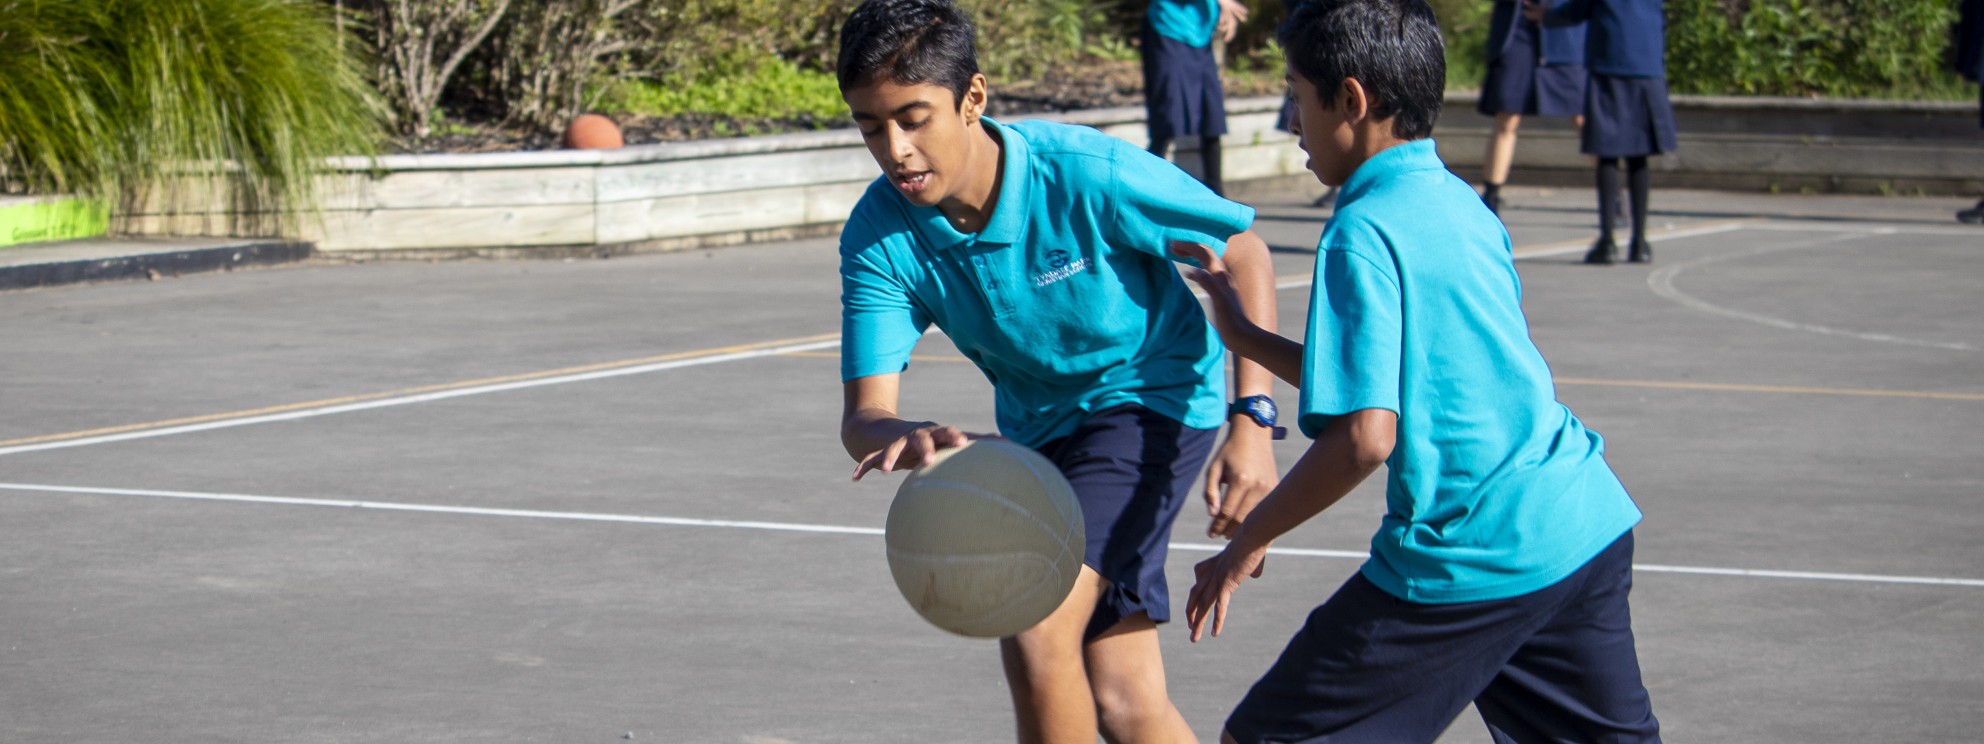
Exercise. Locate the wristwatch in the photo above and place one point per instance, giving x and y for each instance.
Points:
(1261, 409)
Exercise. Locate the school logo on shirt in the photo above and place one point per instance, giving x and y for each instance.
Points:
(1061, 266)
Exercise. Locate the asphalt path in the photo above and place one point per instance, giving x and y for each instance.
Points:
(573, 501)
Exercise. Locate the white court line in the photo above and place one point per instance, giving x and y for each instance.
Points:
(1662, 283)
(423, 397)
(1522, 254)
(1896, 228)
(876, 531)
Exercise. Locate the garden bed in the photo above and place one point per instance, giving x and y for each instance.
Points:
(1093, 84)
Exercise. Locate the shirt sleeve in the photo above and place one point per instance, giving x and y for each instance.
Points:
(1154, 203)
(1352, 355)
(1567, 13)
(879, 323)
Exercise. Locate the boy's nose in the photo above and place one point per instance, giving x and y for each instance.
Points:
(899, 146)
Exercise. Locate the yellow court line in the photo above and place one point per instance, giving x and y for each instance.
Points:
(328, 402)
(913, 357)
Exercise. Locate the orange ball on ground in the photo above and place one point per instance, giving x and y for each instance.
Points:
(593, 132)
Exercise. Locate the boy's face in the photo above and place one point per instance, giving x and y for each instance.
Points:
(1320, 128)
(919, 134)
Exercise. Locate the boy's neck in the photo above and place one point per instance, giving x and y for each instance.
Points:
(1369, 138)
(970, 207)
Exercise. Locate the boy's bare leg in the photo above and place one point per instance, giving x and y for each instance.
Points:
(1044, 666)
(1126, 670)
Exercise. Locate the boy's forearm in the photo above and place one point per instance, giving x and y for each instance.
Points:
(1276, 354)
(1251, 267)
(868, 430)
(1350, 449)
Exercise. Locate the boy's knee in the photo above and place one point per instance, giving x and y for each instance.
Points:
(1127, 702)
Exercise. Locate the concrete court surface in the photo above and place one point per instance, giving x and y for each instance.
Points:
(590, 500)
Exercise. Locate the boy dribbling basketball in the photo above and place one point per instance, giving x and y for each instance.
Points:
(1041, 250)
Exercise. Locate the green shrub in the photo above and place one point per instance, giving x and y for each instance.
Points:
(1833, 48)
(114, 99)
(774, 89)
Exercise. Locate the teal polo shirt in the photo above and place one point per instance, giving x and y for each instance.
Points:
(1189, 21)
(1495, 490)
(1067, 300)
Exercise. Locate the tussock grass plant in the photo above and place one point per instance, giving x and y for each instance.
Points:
(144, 103)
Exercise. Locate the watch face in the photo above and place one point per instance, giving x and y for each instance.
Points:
(1267, 408)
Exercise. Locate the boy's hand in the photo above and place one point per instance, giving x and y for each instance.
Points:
(1534, 10)
(1241, 474)
(912, 448)
(1218, 576)
(1227, 315)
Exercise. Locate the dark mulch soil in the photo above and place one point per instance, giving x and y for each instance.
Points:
(1092, 86)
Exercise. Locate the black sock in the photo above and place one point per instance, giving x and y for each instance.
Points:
(1638, 181)
(1490, 191)
(1209, 158)
(1608, 195)
(1158, 145)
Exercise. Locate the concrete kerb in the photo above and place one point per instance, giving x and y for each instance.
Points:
(110, 259)
(689, 195)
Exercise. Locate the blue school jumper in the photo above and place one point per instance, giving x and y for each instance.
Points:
(1068, 300)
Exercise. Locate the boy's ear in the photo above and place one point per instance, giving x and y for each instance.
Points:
(973, 104)
(1353, 100)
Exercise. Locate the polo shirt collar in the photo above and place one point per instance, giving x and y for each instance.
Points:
(1419, 154)
(1008, 215)
(1015, 186)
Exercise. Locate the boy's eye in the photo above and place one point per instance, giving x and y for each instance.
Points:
(914, 125)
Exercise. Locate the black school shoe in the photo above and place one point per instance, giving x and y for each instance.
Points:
(1603, 253)
(1640, 252)
(1973, 215)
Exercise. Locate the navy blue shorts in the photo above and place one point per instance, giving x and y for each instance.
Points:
(1554, 665)
(1182, 95)
(1627, 117)
(1519, 83)
(1132, 469)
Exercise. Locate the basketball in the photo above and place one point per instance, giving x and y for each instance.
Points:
(985, 540)
(593, 132)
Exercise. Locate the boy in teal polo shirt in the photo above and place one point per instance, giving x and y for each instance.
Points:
(1500, 571)
(1042, 251)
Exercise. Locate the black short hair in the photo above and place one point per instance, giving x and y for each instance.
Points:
(1392, 47)
(908, 42)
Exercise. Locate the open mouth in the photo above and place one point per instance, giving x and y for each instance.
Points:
(911, 183)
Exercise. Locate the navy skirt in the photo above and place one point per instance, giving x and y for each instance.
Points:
(1627, 117)
(1182, 97)
(1519, 83)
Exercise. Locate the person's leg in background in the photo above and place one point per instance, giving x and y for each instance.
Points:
(1495, 165)
(1605, 251)
(1637, 183)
